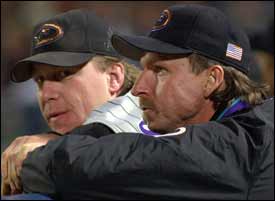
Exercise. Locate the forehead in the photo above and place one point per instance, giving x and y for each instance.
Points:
(150, 58)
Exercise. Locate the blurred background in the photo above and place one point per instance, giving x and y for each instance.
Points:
(20, 113)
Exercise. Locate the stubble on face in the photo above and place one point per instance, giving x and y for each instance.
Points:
(177, 96)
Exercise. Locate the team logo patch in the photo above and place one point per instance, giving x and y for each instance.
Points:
(48, 33)
(164, 19)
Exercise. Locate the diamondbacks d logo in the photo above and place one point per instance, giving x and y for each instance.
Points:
(48, 33)
(165, 17)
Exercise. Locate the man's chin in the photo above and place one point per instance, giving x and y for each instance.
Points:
(155, 127)
(61, 131)
(60, 128)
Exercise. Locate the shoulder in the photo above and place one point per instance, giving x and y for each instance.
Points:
(121, 114)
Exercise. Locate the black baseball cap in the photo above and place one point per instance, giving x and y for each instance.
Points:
(68, 39)
(186, 29)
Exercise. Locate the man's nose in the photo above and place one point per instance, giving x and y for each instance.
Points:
(50, 90)
(143, 85)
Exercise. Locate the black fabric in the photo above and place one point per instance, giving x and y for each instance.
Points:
(96, 130)
(53, 132)
(228, 159)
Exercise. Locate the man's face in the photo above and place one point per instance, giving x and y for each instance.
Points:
(67, 95)
(170, 94)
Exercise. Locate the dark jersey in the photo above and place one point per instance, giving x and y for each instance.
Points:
(228, 159)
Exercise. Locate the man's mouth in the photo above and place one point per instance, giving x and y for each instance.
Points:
(144, 109)
(55, 115)
(146, 106)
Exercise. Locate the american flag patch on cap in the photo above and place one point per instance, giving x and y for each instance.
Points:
(234, 51)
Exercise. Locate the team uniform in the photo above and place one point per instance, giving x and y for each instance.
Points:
(121, 114)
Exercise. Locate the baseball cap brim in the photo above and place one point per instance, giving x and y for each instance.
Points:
(134, 47)
(22, 70)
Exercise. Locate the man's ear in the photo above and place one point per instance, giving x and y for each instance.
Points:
(214, 79)
(116, 77)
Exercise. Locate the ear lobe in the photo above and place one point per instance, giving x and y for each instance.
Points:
(116, 78)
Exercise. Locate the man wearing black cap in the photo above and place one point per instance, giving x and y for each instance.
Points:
(213, 131)
(72, 49)
(76, 70)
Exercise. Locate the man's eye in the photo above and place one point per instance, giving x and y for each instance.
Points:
(160, 70)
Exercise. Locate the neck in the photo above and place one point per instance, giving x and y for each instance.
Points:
(204, 115)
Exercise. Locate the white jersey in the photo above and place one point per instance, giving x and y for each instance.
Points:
(121, 114)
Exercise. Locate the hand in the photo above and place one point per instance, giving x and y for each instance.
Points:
(13, 157)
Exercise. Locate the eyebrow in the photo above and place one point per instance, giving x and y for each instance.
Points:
(148, 60)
